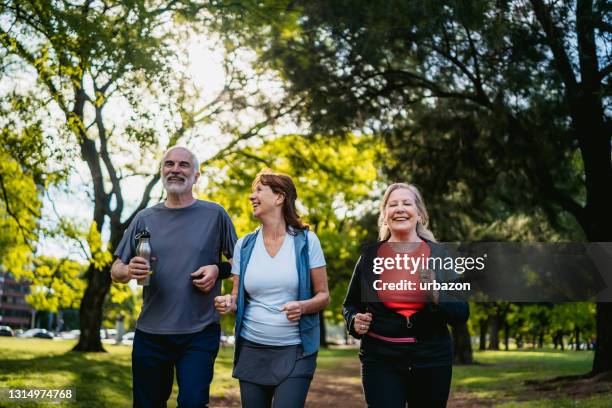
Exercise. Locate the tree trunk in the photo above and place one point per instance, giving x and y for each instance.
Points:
(561, 341)
(493, 332)
(91, 311)
(594, 140)
(506, 336)
(558, 340)
(591, 127)
(483, 334)
(541, 340)
(577, 338)
(323, 333)
(602, 360)
(462, 345)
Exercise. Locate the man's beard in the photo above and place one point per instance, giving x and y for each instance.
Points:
(177, 188)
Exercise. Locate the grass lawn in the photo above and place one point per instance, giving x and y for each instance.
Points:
(100, 379)
(500, 376)
(104, 380)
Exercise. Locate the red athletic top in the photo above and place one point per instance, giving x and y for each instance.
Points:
(405, 302)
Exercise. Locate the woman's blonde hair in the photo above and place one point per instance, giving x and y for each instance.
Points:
(421, 228)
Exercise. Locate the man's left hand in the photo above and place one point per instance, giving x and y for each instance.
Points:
(204, 278)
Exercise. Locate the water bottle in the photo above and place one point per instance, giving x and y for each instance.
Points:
(143, 250)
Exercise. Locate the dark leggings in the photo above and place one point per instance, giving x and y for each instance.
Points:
(390, 386)
(291, 393)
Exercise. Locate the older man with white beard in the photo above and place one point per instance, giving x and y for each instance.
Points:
(178, 327)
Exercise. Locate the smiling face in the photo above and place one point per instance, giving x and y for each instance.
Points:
(264, 200)
(178, 173)
(401, 213)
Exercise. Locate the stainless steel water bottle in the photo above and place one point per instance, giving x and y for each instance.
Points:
(143, 250)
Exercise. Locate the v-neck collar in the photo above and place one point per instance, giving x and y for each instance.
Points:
(263, 244)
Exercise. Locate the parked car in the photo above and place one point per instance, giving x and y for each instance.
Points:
(128, 338)
(44, 335)
(39, 333)
(29, 333)
(108, 334)
(70, 335)
(6, 331)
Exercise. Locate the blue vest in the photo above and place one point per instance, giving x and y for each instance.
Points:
(309, 323)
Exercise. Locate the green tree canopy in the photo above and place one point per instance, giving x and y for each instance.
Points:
(57, 284)
(24, 176)
(496, 107)
(79, 58)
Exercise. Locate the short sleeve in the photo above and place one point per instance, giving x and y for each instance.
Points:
(228, 235)
(127, 246)
(236, 258)
(315, 253)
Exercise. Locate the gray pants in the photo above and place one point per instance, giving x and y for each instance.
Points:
(273, 376)
(291, 393)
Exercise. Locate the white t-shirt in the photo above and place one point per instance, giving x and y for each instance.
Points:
(270, 283)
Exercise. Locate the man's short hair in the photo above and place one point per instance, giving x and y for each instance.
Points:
(194, 160)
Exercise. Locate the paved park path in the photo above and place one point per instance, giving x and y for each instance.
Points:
(341, 387)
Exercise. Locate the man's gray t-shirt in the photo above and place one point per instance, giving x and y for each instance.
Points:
(182, 241)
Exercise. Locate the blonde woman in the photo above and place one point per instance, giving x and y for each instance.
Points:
(406, 350)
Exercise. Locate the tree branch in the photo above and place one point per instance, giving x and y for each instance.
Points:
(254, 130)
(10, 43)
(267, 163)
(90, 154)
(456, 61)
(554, 38)
(25, 232)
(112, 173)
(146, 197)
(605, 71)
(134, 174)
(59, 217)
(419, 81)
(475, 60)
(587, 54)
(566, 202)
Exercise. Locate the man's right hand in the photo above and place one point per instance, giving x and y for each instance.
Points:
(138, 268)
(225, 304)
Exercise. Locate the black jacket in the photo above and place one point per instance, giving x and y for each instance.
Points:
(433, 345)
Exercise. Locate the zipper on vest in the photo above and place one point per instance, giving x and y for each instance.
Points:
(408, 322)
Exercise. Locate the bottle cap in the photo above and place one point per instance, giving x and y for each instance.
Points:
(143, 234)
